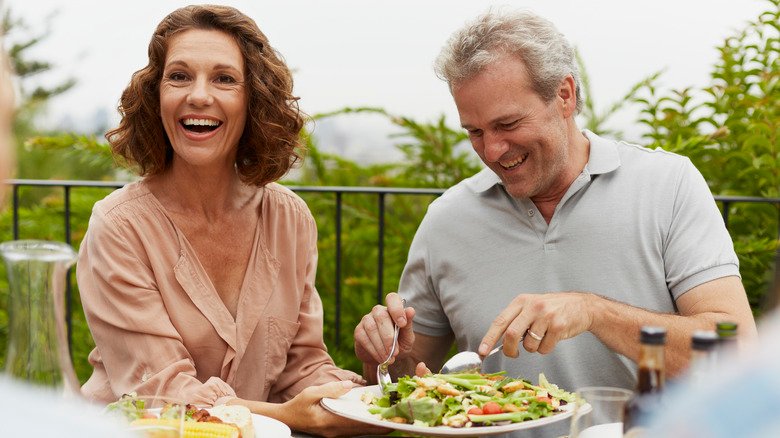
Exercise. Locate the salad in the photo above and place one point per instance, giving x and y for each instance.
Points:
(216, 422)
(131, 407)
(466, 400)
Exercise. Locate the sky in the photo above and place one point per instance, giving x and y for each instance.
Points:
(380, 53)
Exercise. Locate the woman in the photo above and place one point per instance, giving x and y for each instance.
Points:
(198, 280)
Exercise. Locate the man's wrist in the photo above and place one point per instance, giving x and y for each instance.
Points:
(593, 305)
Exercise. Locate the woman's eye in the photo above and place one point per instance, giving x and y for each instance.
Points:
(177, 76)
(226, 79)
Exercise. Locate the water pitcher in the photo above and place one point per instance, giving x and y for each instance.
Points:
(37, 336)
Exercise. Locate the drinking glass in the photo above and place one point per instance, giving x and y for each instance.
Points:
(598, 412)
(134, 409)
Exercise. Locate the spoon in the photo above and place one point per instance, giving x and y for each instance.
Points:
(466, 362)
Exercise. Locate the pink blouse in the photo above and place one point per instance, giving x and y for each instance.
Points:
(160, 327)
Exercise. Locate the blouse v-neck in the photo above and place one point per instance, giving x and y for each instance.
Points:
(214, 306)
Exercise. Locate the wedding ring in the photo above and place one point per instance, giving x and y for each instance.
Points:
(535, 336)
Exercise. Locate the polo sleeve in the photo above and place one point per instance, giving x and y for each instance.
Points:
(698, 247)
(308, 361)
(135, 339)
(417, 284)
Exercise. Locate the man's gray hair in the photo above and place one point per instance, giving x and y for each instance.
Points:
(547, 55)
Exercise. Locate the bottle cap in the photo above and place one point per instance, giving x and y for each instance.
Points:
(726, 329)
(653, 335)
(704, 340)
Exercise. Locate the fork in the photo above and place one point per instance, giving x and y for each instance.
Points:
(382, 375)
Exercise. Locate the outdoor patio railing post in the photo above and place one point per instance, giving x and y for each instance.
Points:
(68, 287)
(15, 198)
(381, 255)
(338, 270)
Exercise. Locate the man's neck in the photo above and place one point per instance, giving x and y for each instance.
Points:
(579, 153)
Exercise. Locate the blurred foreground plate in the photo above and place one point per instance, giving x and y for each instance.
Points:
(269, 427)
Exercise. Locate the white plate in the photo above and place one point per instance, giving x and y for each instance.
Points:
(350, 406)
(269, 427)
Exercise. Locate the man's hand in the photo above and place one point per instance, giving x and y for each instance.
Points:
(543, 320)
(374, 333)
(540, 321)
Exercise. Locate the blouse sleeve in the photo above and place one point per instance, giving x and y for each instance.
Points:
(308, 361)
(135, 339)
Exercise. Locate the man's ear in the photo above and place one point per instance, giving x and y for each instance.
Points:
(567, 95)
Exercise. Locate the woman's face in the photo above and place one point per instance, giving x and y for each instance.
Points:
(203, 97)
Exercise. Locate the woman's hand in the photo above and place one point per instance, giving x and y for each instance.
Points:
(305, 414)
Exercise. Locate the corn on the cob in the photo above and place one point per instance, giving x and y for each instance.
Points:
(192, 429)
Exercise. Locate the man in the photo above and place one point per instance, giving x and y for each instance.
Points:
(566, 244)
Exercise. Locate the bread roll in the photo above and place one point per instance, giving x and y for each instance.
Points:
(238, 415)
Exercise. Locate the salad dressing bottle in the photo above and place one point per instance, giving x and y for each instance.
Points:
(727, 334)
(650, 379)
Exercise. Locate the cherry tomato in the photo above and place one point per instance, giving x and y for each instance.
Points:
(475, 411)
(490, 408)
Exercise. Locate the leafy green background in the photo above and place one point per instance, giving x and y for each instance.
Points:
(729, 128)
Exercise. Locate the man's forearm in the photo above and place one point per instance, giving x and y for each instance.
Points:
(617, 325)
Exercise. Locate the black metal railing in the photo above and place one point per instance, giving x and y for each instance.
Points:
(338, 192)
(381, 192)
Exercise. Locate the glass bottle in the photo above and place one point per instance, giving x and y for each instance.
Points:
(37, 336)
(727, 334)
(703, 355)
(650, 378)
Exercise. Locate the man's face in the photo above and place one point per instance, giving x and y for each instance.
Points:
(518, 135)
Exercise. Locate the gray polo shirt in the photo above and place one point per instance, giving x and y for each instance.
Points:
(638, 226)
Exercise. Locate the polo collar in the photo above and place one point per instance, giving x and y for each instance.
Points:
(603, 158)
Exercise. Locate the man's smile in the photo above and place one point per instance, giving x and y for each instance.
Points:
(508, 165)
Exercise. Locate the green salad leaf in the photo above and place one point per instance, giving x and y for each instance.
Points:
(424, 410)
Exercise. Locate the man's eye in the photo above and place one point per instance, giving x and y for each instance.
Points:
(510, 125)
(474, 132)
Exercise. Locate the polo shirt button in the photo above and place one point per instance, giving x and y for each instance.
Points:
(530, 212)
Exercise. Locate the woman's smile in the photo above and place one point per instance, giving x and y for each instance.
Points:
(199, 128)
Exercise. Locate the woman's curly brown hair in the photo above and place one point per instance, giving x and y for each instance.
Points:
(270, 143)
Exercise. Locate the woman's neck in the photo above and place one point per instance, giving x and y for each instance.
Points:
(210, 195)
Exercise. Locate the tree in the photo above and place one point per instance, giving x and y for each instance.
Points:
(36, 159)
(730, 130)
